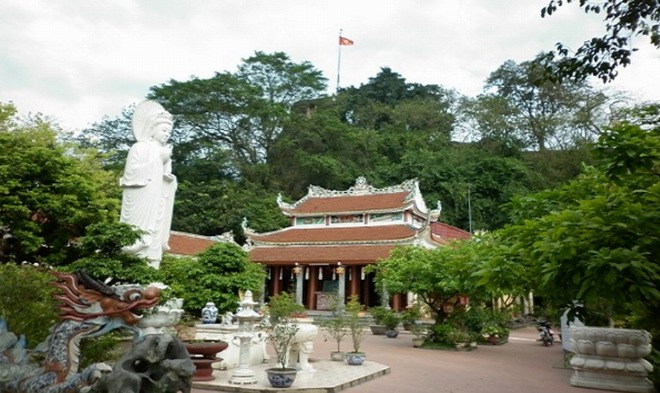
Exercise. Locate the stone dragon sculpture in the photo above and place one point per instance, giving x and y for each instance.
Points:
(89, 308)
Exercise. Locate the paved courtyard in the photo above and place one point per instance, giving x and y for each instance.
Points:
(522, 365)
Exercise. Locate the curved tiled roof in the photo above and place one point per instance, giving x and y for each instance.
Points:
(351, 203)
(298, 235)
(349, 254)
(182, 243)
(447, 231)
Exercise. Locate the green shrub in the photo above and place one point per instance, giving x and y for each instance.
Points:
(26, 301)
(105, 348)
(379, 313)
(216, 275)
(441, 333)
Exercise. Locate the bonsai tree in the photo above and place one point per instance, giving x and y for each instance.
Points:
(335, 327)
(282, 325)
(353, 308)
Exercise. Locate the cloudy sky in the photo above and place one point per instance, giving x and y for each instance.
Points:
(78, 60)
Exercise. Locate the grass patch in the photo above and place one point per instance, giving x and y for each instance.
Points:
(441, 346)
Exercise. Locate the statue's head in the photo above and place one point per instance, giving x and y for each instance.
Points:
(148, 117)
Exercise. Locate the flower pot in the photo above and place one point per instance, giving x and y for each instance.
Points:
(497, 340)
(377, 330)
(337, 356)
(462, 346)
(417, 342)
(355, 358)
(281, 377)
(391, 333)
(203, 355)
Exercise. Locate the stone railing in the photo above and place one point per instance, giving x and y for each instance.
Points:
(611, 359)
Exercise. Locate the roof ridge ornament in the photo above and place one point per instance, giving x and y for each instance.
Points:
(247, 230)
(361, 187)
(282, 204)
(434, 215)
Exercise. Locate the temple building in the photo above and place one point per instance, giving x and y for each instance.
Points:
(334, 235)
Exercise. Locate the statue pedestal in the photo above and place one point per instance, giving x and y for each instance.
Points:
(230, 356)
(611, 359)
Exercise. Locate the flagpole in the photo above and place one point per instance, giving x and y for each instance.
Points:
(339, 60)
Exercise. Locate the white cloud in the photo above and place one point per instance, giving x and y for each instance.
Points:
(78, 60)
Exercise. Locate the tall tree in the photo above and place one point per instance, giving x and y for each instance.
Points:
(49, 193)
(524, 108)
(595, 239)
(317, 148)
(111, 137)
(602, 56)
(242, 112)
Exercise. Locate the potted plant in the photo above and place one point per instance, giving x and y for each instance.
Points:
(419, 330)
(356, 331)
(281, 327)
(378, 315)
(410, 316)
(391, 321)
(495, 334)
(335, 327)
(461, 339)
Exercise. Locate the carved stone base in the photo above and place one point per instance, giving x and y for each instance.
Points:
(611, 359)
(622, 383)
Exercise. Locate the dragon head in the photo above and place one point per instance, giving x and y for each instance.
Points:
(83, 298)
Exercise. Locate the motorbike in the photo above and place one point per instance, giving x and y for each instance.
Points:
(546, 332)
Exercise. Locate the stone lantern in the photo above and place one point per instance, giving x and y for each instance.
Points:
(247, 320)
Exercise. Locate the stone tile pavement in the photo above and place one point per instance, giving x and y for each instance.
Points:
(523, 365)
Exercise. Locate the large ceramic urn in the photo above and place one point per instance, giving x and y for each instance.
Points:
(611, 359)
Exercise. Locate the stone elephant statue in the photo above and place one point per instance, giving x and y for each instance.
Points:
(303, 345)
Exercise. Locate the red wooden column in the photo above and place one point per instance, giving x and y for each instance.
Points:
(275, 277)
(354, 287)
(396, 302)
(311, 288)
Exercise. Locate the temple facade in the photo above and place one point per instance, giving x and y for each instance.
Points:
(334, 235)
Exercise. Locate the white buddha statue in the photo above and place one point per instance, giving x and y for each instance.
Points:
(148, 183)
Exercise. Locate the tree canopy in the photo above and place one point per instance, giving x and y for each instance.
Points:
(50, 191)
(595, 239)
(217, 275)
(602, 56)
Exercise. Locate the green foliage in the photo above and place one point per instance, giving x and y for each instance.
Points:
(391, 321)
(49, 192)
(104, 259)
(437, 277)
(217, 275)
(523, 107)
(594, 240)
(378, 314)
(602, 56)
(26, 301)
(441, 333)
(105, 348)
(479, 320)
(411, 314)
(385, 316)
(457, 336)
(242, 112)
